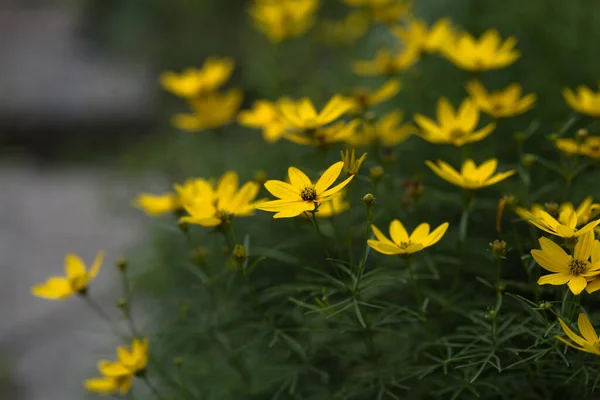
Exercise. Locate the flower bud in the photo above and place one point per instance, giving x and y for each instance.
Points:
(368, 200)
(122, 303)
(199, 255)
(528, 160)
(239, 253)
(376, 173)
(582, 133)
(546, 305)
(260, 177)
(121, 264)
(498, 248)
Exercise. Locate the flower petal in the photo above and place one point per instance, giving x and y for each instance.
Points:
(329, 176)
(398, 232)
(436, 235)
(572, 335)
(577, 284)
(586, 329)
(298, 179)
(554, 279)
(282, 190)
(74, 266)
(380, 236)
(385, 248)
(584, 246)
(419, 235)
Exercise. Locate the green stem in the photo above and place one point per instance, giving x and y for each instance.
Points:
(153, 389)
(127, 308)
(363, 261)
(104, 316)
(415, 286)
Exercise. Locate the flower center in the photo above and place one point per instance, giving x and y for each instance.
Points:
(577, 266)
(308, 193)
(405, 245)
(457, 134)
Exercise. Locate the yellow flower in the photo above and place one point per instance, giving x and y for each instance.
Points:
(456, 127)
(157, 204)
(265, 114)
(209, 206)
(118, 375)
(589, 147)
(565, 226)
(336, 205)
(594, 281)
(76, 280)
(586, 210)
(383, 11)
(211, 111)
(351, 163)
(416, 35)
(301, 195)
(572, 270)
(283, 19)
(585, 101)
(387, 131)
(387, 63)
(302, 115)
(470, 177)
(194, 82)
(489, 52)
(363, 98)
(500, 103)
(347, 31)
(588, 342)
(401, 242)
(322, 137)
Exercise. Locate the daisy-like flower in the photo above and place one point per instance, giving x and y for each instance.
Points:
(417, 35)
(283, 19)
(588, 342)
(483, 54)
(302, 116)
(364, 98)
(572, 270)
(265, 115)
(211, 111)
(323, 137)
(589, 147)
(585, 211)
(117, 376)
(387, 131)
(351, 163)
(209, 206)
(301, 195)
(387, 63)
(500, 103)
(470, 177)
(344, 32)
(585, 101)
(565, 226)
(155, 205)
(456, 127)
(401, 242)
(76, 281)
(193, 82)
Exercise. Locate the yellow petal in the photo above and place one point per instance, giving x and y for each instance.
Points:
(336, 188)
(74, 266)
(385, 248)
(298, 179)
(114, 369)
(295, 209)
(593, 286)
(572, 335)
(95, 268)
(282, 190)
(102, 385)
(584, 246)
(436, 235)
(577, 284)
(420, 234)
(398, 232)
(55, 288)
(555, 279)
(586, 328)
(329, 176)
(380, 236)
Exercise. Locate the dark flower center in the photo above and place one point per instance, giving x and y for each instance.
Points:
(577, 266)
(405, 245)
(308, 193)
(457, 134)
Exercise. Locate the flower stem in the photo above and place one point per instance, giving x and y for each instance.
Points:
(416, 289)
(104, 316)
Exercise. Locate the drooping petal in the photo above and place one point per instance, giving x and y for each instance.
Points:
(577, 284)
(586, 329)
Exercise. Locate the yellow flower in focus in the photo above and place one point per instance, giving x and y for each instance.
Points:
(363, 98)
(383, 11)
(417, 36)
(401, 242)
(155, 205)
(193, 82)
(565, 226)
(566, 269)
(118, 375)
(75, 281)
(387, 63)
(594, 281)
(351, 163)
(344, 32)
(470, 176)
(283, 19)
(589, 147)
(584, 101)
(500, 103)
(209, 206)
(266, 116)
(483, 54)
(456, 127)
(302, 115)
(211, 111)
(335, 206)
(387, 131)
(322, 137)
(588, 342)
(301, 195)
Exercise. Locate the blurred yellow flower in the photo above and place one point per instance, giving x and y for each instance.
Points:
(401, 242)
(588, 342)
(76, 280)
(363, 98)
(456, 127)
(118, 375)
(584, 101)
(266, 116)
(211, 111)
(351, 163)
(566, 269)
(483, 54)
(302, 115)
(330, 208)
(589, 146)
(383, 11)
(322, 137)
(157, 204)
(209, 206)
(301, 195)
(586, 210)
(387, 131)
(417, 36)
(387, 63)
(565, 226)
(500, 103)
(344, 32)
(470, 176)
(283, 19)
(193, 82)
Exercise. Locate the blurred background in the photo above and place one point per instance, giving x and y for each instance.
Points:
(84, 126)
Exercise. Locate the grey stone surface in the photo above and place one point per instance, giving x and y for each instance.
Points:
(50, 346)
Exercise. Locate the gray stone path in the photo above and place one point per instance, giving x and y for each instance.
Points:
(49, 347)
